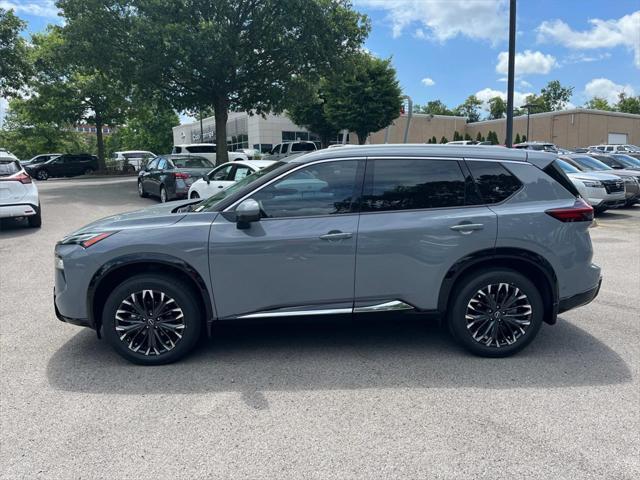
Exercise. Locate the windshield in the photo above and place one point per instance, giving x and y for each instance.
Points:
(192, 162)
(567, 167)
(210, 202)
(590, 163)
(627, 160)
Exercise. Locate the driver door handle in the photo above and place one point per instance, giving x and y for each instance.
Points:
(336, 235)
(467, 228)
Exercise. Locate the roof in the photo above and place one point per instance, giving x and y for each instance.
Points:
(572, 111)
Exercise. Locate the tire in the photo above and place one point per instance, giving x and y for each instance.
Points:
(35, 221)
(42, 175)
(515, 327)
(164, 197)
(147, 341)
(194, 195)
(88, 171)
(141, 191)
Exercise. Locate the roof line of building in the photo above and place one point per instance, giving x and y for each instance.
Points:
(565, 112)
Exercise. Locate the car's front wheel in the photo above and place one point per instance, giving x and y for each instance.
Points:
(496, 313)
(152, 319)
(194, 195)
(42, 175)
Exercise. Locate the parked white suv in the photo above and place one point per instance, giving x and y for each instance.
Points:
(206, 150)
(286, 149)
(132, 159)
(615, 148)
(18, 194)
(602, 190)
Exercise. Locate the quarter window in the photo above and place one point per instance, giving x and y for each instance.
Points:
(321, 189)
(410, 184)
(222, 174)
(495, 182)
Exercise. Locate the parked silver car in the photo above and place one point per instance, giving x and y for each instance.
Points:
(494, 241)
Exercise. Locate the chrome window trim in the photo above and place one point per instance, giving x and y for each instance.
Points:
(297, 313)
(392, 306)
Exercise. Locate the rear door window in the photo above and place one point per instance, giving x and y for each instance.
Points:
(201, 149)
(410, 184)
(303, 147)
(9, 168)
(494, 181)
(285, 148)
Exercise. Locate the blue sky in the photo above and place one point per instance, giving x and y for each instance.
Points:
(449, 49)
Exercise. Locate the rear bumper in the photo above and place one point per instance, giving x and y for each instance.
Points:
(579, 299)
(18, 210)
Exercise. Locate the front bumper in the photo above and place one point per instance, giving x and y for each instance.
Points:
(579, 299)
(81, 322)
(18, 210)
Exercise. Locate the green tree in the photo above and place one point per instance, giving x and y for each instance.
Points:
(66, 91)
(598, 103)
(434, 107)
(306, 108)
(443, 140)
(467, 136)
(456, 136)
(434, 140)
(26, 135)
(552, 97)
(497, 108)
(479, 137)
(524, 138)
(470, 109)
(628, 104)
(429, 140)
(517, 139)
(239, 55)
(147, 127)
(15, 67)
(365, 98)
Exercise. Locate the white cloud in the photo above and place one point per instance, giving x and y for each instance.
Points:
(428, 82)
(486, 94)
(527, 62)
(38, 8)
(624, 31)
(524, 84)
(605, 88)
(440, 20)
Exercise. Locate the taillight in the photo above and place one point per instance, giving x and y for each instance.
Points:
(182, 175)
(21, 177)
(580, 212)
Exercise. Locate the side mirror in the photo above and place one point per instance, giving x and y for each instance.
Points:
(205, 177)
(246, 213)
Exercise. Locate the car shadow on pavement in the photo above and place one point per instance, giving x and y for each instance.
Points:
(12, 228)
(254, 358)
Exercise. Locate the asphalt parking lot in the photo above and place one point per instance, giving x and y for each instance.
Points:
(314, 400)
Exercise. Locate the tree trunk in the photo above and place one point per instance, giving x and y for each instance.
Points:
(100, 141)
(221, 112)
(362, 137)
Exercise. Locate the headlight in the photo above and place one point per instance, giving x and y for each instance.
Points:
(86, 239)
(58, 263)
(592, 183)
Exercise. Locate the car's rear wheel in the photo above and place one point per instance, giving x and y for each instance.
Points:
(42, 175)
(152, 319)
(88, 171)
(195, 195)
(164, 198)
(35, 221)
(496, 313)
(141, 191)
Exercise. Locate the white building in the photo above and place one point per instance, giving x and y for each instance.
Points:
(245, 131)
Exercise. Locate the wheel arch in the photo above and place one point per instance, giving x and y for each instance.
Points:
(117, 270)
(532, 265)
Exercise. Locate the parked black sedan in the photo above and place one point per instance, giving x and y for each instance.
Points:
(67, 165)
(170, 176)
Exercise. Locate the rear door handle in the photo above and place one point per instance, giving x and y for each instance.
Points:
(467, 228)
(334, 235)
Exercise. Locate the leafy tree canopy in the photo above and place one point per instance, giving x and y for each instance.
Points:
(470, 109)
(497, 108)
(15, 67)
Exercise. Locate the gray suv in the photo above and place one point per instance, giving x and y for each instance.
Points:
(493, 241)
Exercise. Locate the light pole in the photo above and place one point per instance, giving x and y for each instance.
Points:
(528, 106)
(409, 114)
(511, 75)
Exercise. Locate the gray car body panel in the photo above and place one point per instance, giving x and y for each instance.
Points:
(281, 265)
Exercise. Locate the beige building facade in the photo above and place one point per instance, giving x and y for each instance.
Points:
(567, 128)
